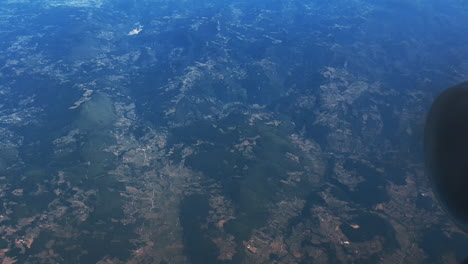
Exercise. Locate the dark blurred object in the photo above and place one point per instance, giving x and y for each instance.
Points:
(446, 151)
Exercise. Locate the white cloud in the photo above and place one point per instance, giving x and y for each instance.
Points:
(135, 31)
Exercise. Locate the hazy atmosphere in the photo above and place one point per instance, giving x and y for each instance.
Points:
(215, 131)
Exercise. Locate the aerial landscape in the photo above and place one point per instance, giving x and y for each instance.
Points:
(260, 131)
